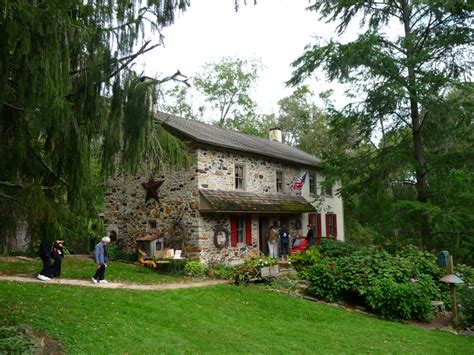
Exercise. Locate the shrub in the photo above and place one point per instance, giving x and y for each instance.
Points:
(302, 260)
(194, 269)
(250, 269)
(222, 272)
(325, 280)
(466, 273)
(115, 254)
(13, 341)
(406, 300)
(335, 248)
(466, 299)
(394, 286)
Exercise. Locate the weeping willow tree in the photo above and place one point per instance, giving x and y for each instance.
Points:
(71, 109)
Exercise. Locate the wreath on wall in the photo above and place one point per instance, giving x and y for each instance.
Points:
(217, 231)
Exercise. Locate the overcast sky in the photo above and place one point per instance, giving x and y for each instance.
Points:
(276, 31)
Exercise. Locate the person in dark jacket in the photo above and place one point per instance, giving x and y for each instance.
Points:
(57, 254)
(310, 235)
(284, 241)
(45, 255)
(101, 258)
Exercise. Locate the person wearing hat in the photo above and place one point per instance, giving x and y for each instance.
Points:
(101, 258)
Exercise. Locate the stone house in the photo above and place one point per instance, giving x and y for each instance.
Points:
(219, 208)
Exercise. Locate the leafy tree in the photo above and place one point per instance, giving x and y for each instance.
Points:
(400, 76)
(68, 100)
(226, 85)
(179, 101)
(449, 138)
(304, 124)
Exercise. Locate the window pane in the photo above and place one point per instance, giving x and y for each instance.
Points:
(329, 190)
(239, 177)
(312, 184)
(331, 224)
(279, 181)
(240, 229)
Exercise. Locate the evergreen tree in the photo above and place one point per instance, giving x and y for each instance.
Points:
(400, 75)
(70, 104)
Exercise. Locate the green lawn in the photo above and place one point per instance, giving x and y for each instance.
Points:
(220, 319)
(74, 268)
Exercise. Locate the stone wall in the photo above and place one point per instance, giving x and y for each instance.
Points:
(216, 171)
(175, 214)
(210, 253)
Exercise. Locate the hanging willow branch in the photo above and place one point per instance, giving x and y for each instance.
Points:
(65, 79)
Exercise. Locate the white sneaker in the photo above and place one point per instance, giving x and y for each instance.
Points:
(103, 281)
(94, 280)
(43, 278)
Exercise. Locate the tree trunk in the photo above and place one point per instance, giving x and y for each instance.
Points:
(418, 147)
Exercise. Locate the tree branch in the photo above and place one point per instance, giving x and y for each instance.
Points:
(132, 57)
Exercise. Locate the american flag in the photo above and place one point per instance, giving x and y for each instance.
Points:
(298, 183)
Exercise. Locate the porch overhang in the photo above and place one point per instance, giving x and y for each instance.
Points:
(218, 201)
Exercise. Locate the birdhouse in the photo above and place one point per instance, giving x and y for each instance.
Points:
(149, 245)
(443, 257)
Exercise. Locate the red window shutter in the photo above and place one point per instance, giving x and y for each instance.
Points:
(319, 231)
(233, 231)
(248, 230)
(310, 219)
(334, 220)
(328, 230)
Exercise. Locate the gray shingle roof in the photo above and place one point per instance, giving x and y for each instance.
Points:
(226, 138)
(242, 201)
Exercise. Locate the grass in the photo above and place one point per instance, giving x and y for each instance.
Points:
(220, 319)
(75, 268)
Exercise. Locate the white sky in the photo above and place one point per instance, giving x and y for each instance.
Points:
(276, 31)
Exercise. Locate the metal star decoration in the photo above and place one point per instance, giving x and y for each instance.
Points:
(151, 188)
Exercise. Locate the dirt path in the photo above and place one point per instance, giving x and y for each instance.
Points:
(115, 285)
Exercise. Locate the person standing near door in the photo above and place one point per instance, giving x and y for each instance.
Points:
(272, 242)
(310, 235)
(284, 241)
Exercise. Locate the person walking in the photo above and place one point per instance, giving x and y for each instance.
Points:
(45, 255)
(57, 254)
(284, 241)
(272, 243)
(101, 258)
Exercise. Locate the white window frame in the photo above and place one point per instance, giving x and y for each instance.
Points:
(241, 232)
(236, 185)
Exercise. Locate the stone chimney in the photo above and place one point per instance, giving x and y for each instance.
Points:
(275, 134)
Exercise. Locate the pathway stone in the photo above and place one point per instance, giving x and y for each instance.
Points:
(119, 285)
